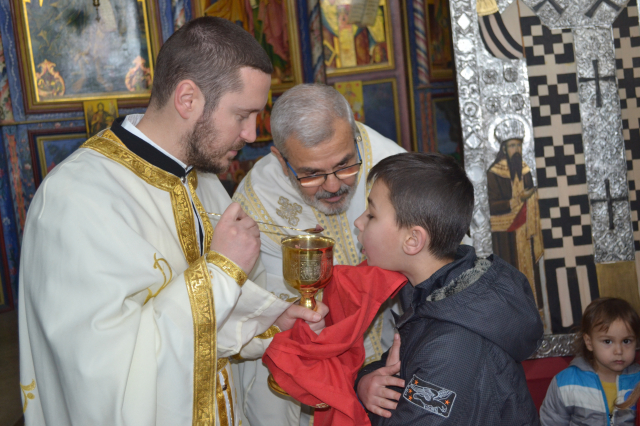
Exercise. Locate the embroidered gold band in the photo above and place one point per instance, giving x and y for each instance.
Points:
(228, 266)
(271, 331)
(223, 395)
(204, 335)
(222, 362)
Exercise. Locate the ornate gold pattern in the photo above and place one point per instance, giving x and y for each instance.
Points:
(26, 393)
(252, 205)
(375, 337)
(228, 266)
(110, 146)
(365, 145)
(204, 336)
(225, 418)
(208, 228)
(289, 211)
(157, 265)
(271, 331)
(222, 362)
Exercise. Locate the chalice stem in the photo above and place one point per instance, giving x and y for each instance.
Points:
(308, 299)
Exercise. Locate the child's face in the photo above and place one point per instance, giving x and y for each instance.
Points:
(613, 350)
(379, 234)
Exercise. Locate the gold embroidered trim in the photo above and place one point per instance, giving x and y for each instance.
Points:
(289, 211)
(226, 419)
(228, 266)
(252, 206)
(208, 228)
(365, 146)
(374, 334)
(185, 222)
(271, 331)
(200, 292)
(26, 393)
(156, 265)
(222, 363)
(111, 147)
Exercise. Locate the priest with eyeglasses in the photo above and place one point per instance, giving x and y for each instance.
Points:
(316, 174)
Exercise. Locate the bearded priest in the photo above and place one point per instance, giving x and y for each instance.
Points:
(130, 303)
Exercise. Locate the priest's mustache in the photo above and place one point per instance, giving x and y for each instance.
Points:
(322, 194)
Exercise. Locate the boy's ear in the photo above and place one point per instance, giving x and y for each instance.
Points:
(587, 342)
(416, 239)
(280, 158)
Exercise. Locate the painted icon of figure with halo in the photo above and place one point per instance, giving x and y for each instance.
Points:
(101, 119)
(513, 204)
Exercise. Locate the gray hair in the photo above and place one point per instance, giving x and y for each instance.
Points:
(307, 112)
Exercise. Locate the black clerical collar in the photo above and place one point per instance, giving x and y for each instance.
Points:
(148, 152)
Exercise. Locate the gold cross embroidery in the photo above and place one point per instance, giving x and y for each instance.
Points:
(289, 211)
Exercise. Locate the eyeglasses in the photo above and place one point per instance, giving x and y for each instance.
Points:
(317, 180)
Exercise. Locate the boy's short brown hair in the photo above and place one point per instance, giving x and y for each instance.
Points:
(432, 191)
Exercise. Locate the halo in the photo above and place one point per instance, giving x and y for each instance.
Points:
(494, 145)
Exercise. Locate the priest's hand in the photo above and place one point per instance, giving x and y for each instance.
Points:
(315, 319)
(372, 388)
(237, 237)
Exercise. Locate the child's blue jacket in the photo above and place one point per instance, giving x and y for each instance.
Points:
(576, 397)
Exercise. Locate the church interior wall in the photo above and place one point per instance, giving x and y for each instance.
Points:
(415, 88)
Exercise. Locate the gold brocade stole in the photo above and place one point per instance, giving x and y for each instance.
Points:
(197, 276)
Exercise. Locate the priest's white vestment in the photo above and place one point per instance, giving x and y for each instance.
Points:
(126, 317)
(267, 195)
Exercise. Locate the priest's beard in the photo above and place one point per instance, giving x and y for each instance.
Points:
(315, 199)
(204, 150)
(515, 165)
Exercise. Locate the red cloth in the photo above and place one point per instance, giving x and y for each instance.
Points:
(322, 368)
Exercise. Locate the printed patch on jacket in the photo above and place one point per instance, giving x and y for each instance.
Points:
(430, 397)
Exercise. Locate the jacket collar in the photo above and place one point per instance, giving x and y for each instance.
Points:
(411, 297)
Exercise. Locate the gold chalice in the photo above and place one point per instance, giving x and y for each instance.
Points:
(307, 264)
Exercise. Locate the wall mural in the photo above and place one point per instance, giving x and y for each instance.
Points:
(273, 24)
(548, 83)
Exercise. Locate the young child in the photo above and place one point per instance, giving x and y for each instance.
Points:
(586, 393)
(467, 322)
